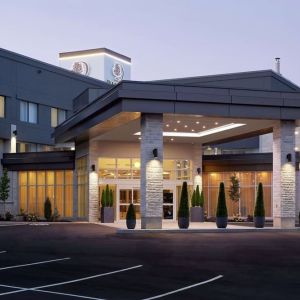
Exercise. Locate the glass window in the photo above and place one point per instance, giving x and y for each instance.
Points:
(124, 168)
(53, 117)
(61, 116)
(28, 112)
(2, 107)
(57, 116)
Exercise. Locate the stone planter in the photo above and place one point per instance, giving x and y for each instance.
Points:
(130, 224)
(107, 215)
(221, 222)
(259, 222)
(20, 218)
(183, 223)
(197, 214)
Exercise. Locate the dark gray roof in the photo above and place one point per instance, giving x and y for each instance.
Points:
(262, 80)
(52, 68)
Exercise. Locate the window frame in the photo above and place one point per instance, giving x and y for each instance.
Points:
(28, 116)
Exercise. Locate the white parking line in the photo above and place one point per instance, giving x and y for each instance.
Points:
(35, 263)
(1, 252)
(184, 288)
(41, 288)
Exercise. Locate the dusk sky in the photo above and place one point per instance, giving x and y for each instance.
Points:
(164, 38)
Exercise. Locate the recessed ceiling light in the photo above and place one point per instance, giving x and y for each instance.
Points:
(216, 123)
(178, 122)
(172, 140)
(193, 130)
(140, 138)
(203, 126)
(296, 148)
(197, 122)
(185, 126)
(296, 132)
(175, 129)
(167, 125)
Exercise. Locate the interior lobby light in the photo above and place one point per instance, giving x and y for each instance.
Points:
(201, 133)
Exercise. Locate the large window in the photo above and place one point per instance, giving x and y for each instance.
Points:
(28, 112)
(57, 116)
(2, 107)
(248, 186)
(36, 186)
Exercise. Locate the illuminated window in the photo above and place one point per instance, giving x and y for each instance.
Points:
(2, 107)
(57, 116)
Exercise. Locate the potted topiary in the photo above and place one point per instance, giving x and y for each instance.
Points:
(48, 210)
(197, 213)
(183, 212)
(259, 211)
(130, 217)
(221, 215)
(107, 209)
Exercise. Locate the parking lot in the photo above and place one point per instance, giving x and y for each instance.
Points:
(86, 261)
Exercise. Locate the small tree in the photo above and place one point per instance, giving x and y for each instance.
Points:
(194, 198)
(130, 215)
(259, 210)
(48, 209)
(183, 211)
(198, 196)
(221, 207)
(201, 199)
(234, 189)
(4, 187)
(103, 198)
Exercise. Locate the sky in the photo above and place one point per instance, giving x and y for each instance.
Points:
(164, 38)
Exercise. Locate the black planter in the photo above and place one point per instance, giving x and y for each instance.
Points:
(221, 222)
(107, 215)
(259, 222)
(183, 223)
(197, 214)
(130, 224)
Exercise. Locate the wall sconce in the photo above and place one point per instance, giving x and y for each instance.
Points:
(289, 157)
(198, 171)
(155, 153)
(15, 132)
(93, 168)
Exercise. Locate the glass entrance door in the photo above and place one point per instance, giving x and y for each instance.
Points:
(126, 197)
(168, 204)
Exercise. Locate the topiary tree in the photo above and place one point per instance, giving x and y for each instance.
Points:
(47, 209)
(183, 211)
(198, 196)
(103, 198)
(259, 210)
(193, 199)
(107, 195)
(4, 187)
(221, 207)
(201, 199)
(130, 215)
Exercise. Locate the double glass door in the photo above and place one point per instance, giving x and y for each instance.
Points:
(126, 197)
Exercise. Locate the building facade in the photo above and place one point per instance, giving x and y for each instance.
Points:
(144, 139)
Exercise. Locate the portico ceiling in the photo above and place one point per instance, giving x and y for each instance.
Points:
(191, 128)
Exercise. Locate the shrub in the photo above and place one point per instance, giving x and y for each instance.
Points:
(193, 199)
(183, 211)
(202, 199)
(221, 207)
(4, 187)
(130, 215)
(103, 198)
(47, 209)
(259, 210)
(198, 196)
(8, 216)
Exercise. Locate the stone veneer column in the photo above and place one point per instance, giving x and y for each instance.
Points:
(197, 163)
(93, 191)
(284, 174)
(151, 171)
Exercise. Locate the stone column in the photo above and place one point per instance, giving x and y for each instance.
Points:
(197, 163)
(151, 171)
(93, 191)
(284, 174)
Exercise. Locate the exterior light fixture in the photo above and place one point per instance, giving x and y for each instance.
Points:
(198, 171)
(289, 157)
(155, 154)
(15, 132)
(93, 168)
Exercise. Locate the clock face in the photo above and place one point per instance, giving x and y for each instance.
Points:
(118, 72)
(80, 67)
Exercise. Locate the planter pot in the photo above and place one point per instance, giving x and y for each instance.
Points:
(183, 223)
(259, 222)
(130, 224)
(197, 214)
(221, 222)
(107, 215)
(19, 218)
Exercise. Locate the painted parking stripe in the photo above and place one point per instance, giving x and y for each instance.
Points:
(35, 263)
(185, 288)
(86, 278)
(67, 294)
(1, 252)
(39, 288)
